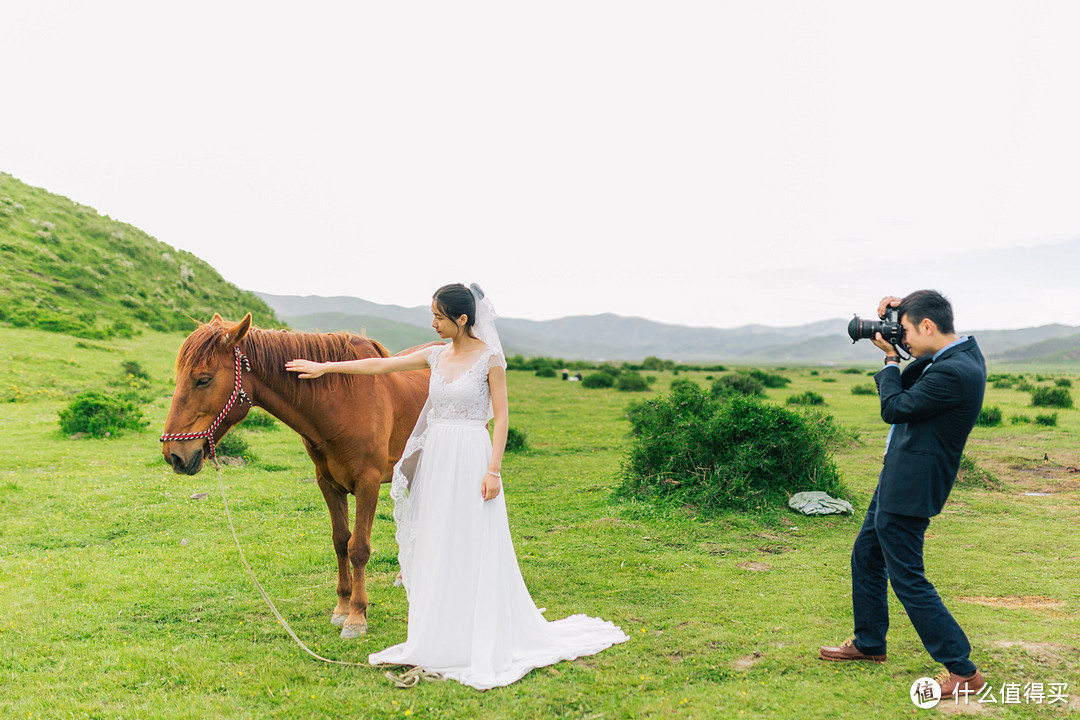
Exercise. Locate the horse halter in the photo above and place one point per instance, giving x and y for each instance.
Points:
(238, 392)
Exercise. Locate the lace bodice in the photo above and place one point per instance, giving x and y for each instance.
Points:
(465, 397)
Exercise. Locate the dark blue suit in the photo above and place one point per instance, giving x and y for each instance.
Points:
(933, 406)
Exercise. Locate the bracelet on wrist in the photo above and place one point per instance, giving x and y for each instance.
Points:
(495, 474)
(892, 359)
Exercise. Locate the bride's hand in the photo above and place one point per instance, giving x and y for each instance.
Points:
(306, 368)
(490, 486)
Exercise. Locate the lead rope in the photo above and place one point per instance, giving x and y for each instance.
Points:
(259, 586)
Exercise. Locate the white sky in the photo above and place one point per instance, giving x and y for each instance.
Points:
(703, 163)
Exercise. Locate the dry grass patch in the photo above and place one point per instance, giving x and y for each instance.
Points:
(1024, 602)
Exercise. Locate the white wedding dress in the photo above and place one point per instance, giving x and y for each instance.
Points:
(470, 615)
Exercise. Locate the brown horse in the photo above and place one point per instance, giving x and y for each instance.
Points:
(354, 427)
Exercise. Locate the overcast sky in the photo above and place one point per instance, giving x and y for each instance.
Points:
(704, 163)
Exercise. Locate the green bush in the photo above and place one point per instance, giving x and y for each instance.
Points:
(598, 380)
(546, 372)
(516, 440)
(681, 382)
(134, 369)
(807, 398)
(864, 389)
(1020, 419)
(737, 384)
(1051, 397)
(743, 454)
(631, 381)
(235, 445)
(259, 420)
(989, 416)
(101, 415)
(971, 475)
(1003, 383)
(852, 371)
(1050, 420)
(769, 380)
(1063, 382)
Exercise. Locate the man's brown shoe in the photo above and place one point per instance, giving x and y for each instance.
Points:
(958, 685)
(848, 651)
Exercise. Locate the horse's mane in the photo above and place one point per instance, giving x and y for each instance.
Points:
(269, 350)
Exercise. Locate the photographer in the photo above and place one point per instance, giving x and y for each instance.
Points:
(932, 407)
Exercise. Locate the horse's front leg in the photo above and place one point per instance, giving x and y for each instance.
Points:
(337, 502)
(367, 497)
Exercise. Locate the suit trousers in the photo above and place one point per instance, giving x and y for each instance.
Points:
(889, 548)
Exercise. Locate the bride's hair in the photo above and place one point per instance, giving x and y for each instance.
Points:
(455, 300)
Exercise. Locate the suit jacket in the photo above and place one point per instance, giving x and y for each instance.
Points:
(934, 405)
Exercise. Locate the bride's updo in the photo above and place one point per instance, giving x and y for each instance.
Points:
(455, 300)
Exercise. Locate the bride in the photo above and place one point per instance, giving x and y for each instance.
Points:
(471, 618)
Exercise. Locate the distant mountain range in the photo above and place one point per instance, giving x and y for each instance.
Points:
(613, 337)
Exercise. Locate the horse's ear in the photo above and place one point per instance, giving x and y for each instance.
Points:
(216, 320)
(236, 333)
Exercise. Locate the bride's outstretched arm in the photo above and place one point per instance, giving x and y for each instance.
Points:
(309, 369)
(492, 482)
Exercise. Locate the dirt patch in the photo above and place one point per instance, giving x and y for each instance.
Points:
(744, 663)
(774, 549)
(1049, 653)
(753, 566)
(1024, 602)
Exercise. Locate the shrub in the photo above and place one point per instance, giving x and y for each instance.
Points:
(1050, 420)
(259, 420)
(655, 363)
(807, 398)
(516, 440)
(769, 380)
(682, 382)
(989, 416)
(101, 415)
(598, 380)
(737, 384)
(1063, 382)
(1019, 419)
(852, 371)
(134, 369)
(235, 445)
(864, 389)
(1051, 397)
(971, 475)
(631, 381)
(546, 372)
(1003, 383)
(743, 454)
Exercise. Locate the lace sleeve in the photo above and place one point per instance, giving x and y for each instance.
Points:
(496, 360)
(431, 353)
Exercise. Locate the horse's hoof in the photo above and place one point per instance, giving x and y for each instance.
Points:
(338, 619)
(348, 632)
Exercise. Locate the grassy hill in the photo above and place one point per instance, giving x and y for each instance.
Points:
(65, 268)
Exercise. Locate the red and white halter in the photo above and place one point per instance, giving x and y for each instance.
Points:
(238, 392)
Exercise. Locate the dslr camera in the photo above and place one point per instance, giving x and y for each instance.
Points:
(890, 328)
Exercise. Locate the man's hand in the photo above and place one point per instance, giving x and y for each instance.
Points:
(886, 303)
(883, 344)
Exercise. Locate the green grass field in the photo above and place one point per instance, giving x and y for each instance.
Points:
(122, 596)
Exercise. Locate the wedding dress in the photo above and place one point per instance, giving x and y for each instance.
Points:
(471, 617)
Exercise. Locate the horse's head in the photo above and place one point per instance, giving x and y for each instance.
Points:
(206, 379)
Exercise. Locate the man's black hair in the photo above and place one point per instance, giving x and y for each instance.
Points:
(931, 304)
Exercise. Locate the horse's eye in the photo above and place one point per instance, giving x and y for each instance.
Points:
(203, 381)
